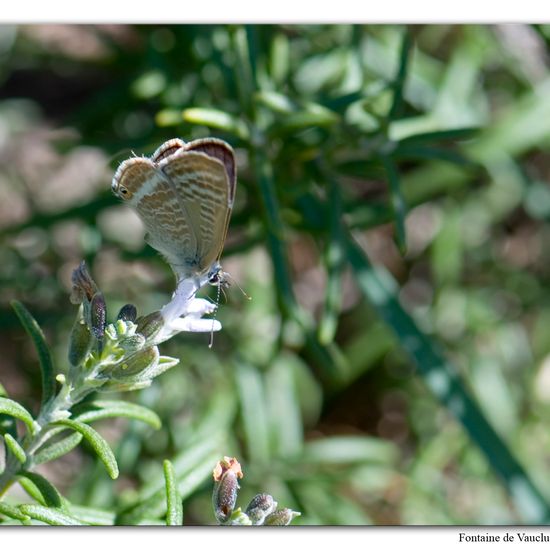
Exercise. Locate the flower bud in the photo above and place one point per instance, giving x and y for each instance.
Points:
(136, 364)
(87, 293)
(84, 286)
(226, 475)
(260, 507)
(131, 344)
(98, 313)
(150, 325)
(127, 313)
(281, 517)
(80, 342)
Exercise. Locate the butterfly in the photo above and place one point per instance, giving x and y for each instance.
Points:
(184, 195)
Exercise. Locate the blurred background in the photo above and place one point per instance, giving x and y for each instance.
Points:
(393, 365)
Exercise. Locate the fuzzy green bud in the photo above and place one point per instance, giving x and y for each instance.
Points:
(150, 325)
(132, 344)
(136, 363)
(281, 517)
(260, 507)
(80, 342)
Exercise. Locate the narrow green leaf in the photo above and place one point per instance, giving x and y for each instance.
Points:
(168, 117)
(417, 152)
(109, 409)
(49, 516)
(99, 445)
(14, 512)
(397, 199)
(15, 448)
(44, 357)
(192, 468)
(216, 119)
(312, 115)
(155, 505)
(431, 137)
(31, 489)
(12, 408)
(279, 59)
(286, 430)
(57, 449)
(50, 496)
(399, 83)
(349, 449)
(250, 386)
(174, 505)
(7, 422)
(275, 101)
(93, 516)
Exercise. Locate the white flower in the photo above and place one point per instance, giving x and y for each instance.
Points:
(184, 312)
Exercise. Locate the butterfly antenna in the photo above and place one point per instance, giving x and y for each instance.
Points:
(233, 280)
(214, 317)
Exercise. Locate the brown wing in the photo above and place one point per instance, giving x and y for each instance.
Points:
(203, 189)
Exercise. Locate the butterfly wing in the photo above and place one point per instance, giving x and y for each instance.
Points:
(220, 150)
(202, 184)
(184, 196)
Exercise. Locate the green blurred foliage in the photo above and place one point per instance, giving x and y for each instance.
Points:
(427, 143)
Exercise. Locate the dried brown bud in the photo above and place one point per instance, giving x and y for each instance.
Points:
(84, 286)
(227, 463)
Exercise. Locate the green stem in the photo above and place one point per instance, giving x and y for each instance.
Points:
(71, 392)
(31, 444)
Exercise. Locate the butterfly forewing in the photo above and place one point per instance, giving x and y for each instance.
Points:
(144, 186)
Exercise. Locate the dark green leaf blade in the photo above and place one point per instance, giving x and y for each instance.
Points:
(441, 135)
(399, 83)
(50, 496)
(39, 341)
(397, 199)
